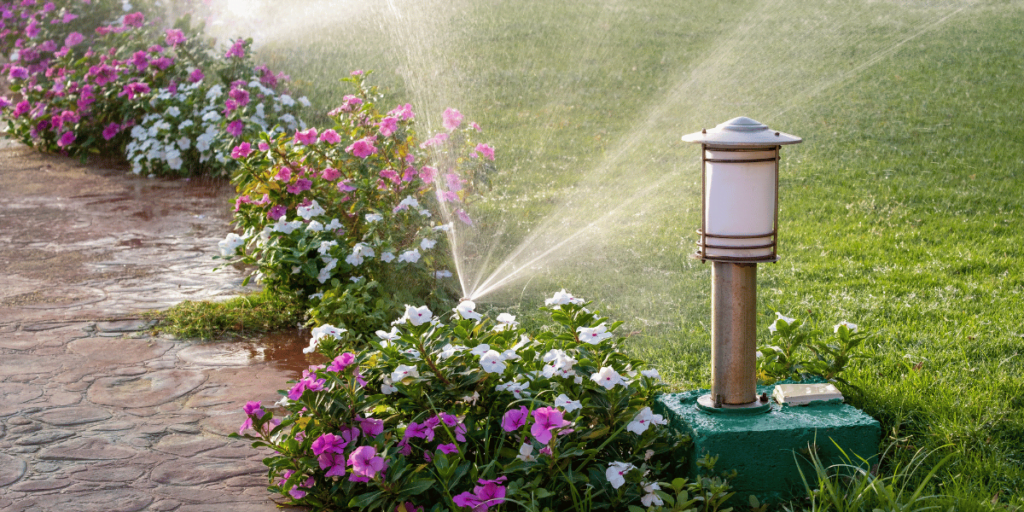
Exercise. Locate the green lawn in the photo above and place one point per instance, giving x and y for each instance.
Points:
(900, 212)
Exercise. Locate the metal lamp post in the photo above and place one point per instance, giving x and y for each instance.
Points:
(739, 229)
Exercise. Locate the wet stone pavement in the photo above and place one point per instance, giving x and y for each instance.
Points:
(96, 412)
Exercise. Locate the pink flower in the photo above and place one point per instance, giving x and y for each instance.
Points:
(301, 185)
(451, 197)
(547, 419)
(196, 75)
(162, 63)
(103, 74)
(420, 430)
(73, 39)
(134, 89)
(372, 427)
(452, 119)
(307, 137)
(253, 408)
(476, 127)
(362, 148)
(330, 174)
(17, 73)
(277, 211)
(241, 151)
(388, 125)
(330, 136)
(514, 419)
(111, 131)
(237, 50)
(328, 443)
(454, 181)
(343, 186)
(486, 150)
(21, 108)
(263, 146)
(284, 174)
(135, 19)
(365, 462)
(434, 141)
(140, 60)
(390, 174)
(241, 96)
(66, 139)
(409, 174)
(349, 102)
(235, 128)
(403, 111)
(468, 500)
(428, 174)
(464, 217)
(335, 461)
(448, 448)
(68, 18)
(174, 37)
(341, 362)
(356, 72)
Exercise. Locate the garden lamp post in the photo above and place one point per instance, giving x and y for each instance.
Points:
(739, 229)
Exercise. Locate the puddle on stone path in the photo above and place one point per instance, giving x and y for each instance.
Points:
(281, 351)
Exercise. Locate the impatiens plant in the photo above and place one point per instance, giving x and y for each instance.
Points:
(456, 413)
(356, 216)
(797, 352)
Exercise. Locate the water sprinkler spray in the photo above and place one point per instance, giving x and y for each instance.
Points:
(739, 229)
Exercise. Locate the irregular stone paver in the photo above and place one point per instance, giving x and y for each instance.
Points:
(82, 252)
(146, 391)
(68, 416)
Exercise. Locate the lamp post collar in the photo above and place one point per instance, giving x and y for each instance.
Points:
(742, 132)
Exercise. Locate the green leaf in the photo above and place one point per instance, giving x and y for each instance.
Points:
(417, 486)
(364, 500)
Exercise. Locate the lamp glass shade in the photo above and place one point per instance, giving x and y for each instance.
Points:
(740, 202)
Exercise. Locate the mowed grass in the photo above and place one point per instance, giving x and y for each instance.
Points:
(901, 211)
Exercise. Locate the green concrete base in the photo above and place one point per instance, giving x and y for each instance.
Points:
(761, 447)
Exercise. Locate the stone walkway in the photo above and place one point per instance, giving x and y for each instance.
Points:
(97, 413)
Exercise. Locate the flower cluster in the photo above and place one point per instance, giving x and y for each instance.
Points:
(799, 353)
(470, 400)
(355, 209)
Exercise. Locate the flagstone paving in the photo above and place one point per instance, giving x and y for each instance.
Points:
(98, 413)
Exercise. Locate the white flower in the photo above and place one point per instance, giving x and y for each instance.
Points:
(465, 309)
(786, 319)
(213, 93)
(404, 372)
(416, 316)
(651, 374)
(313, 210)
(387, 257)
(607, 377)
(387, 388)
(304, 101)
(211, 116)
(230, 244)
(138, 132)
(560, 364)
(173, 111)
(408, 202)
(492, 362)
(844, 323)
(184, 124)
(260, 110)
(359, 251)
(427, 244)
(562, 297)
(449, 350)
(389, 336)
(314, 226)
(317, 295)
(425, 213)
(644, 419)
(518, 389)
(480, 349)
(374, 217)
(593, 335)
(616, 473)
(444, 227)
(286, 100)
(651, 498)
(442, 274)
(174, 160)
(333, 225)
(409, 256)
(567, 403)
(325, 247)
(526, 453)
(184, 143)
(319, 333)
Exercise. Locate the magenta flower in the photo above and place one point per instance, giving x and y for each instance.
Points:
(134, 88)
(486, 150)
(253, 408)
(73, 39)
(390, 174)
(434, 141)
(349, 102)
(263, 146)
(343, 186)
(428, 174)
(452, 119)
(241, 151)
(330, 136)
(476, 127)
(66, 139)
(241, 96)
(174, 37)
(371, 427)
(334, 463)
(284, 174)
(307, 137)
(301, 185)
(103, 74)
(140, 60)
(21, 108)
(17, 73)
(362, 148)
(448, 448)
(196, 75)
(237, 50)
(111, 131)
(468, 500)
(490, 493)
(451, 197)
(341, 362)
(328, 443)
(162, 63)
(365, 462)
(277, 212)
(409, 174)
(404, 112)
(514, 419)
(454, 181)
(388, 125)
(546, 420)
(135, 19)
(464, 217)
(32, 30)
(329, 174)
(68, 18)
(420, 430)
(235, 128)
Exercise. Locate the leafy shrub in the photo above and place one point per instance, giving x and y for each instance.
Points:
(465, 415)
(796, 352)
(369, 208)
